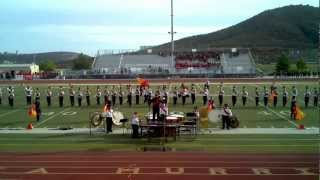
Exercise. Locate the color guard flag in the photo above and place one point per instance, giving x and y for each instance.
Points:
(32, 112)
(271, 97)
(211, 106)
(299, 114)
(105, 109)
(143, 82)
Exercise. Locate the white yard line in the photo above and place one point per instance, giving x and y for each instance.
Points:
(37, 125)
(277, 114)
(10, 112)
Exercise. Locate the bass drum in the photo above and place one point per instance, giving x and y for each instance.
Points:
(96, 119)
(234, 122)
(214, 116)
(117, 116)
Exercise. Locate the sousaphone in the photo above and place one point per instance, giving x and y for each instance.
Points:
(97, 118)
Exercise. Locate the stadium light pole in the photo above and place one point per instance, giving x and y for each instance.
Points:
(172, 37)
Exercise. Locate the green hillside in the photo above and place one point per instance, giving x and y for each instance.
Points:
(286, 27)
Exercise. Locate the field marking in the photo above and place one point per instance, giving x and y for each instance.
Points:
(10, 112)
(274, 112)
(283, 117)
(37, 125)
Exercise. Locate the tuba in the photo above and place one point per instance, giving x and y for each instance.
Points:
(97, 118)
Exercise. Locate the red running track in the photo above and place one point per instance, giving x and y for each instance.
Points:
(158, 165)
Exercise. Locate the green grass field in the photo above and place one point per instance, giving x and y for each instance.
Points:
(78, 117)
(257, 144)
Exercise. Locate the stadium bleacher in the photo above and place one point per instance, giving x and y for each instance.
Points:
(204, 62)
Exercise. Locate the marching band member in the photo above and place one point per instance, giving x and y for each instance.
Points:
(71, 96)
(285, 95)
(184, 95)
(98, 95)
(49, 95)
(155, 107)
(150, 96)
(106, 93)
(175, 96)
(11, 96)
(164, 111)
(205, 96)
(221, 94)
(211, 105)
(145, 95)
(193, 94)
(80, 95)
(121, 93)
(307, 95)
(129, 96)
(293, 109)
(28, 91)
(315, 97)
(257, 98)
(245, 95)
(113, 96)
(226, 117)
(38, 109)
(294, 93)
(265, 96)
(61, 95)
(135, 125)
(275, 97)
(234, 96)
(88, 96)
(137, 93)
(206, 85)
(37, 94)
(196, 111)
(164, 94)
(109, 115)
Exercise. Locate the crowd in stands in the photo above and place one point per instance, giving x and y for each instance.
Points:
(197, 60)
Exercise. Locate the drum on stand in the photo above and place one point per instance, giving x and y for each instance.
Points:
(178, 115)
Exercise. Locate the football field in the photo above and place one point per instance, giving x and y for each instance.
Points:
(250, 116)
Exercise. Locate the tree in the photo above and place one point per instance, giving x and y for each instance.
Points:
(283, 64)
(48, 65)
(301, 66)
(82, 62)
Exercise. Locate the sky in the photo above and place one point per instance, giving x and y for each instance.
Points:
(32, 26)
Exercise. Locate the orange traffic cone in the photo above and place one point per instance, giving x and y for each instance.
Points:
(30, 126)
